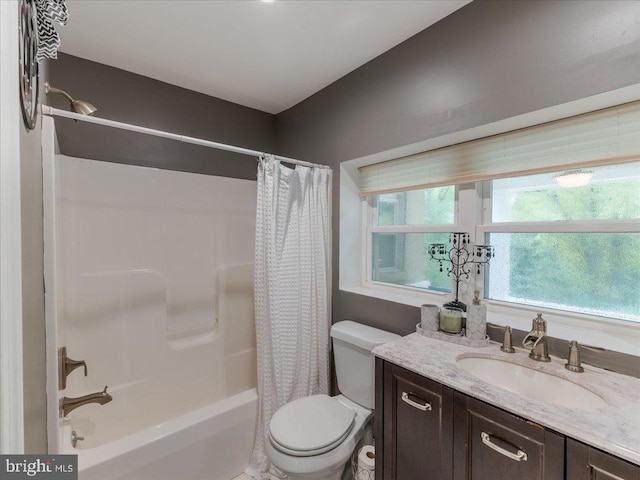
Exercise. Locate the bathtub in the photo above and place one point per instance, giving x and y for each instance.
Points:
(211, 443)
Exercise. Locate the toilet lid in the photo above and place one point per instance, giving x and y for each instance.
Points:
(311, 423)
(308, 453)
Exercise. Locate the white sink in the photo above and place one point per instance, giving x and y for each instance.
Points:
(531, 384)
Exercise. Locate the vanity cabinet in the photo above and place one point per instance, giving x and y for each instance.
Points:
(588, 463)
(417, 427)
(491, 444)
(427, 431)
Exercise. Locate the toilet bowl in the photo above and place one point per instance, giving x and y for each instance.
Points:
(313, 438)
(323, 457)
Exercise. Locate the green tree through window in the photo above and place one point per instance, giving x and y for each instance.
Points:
(591, 272)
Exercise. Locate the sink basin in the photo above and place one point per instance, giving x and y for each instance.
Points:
(531, 384)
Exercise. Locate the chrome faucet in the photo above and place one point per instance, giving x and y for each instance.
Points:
(536, 340)
(67, 404)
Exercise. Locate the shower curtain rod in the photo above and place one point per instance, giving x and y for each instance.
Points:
(47, 110)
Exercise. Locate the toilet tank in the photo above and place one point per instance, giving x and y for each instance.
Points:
(355, 365)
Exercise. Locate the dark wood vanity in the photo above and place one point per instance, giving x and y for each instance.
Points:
(427, 431)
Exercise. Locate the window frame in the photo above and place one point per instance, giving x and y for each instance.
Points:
(466, 194)
(472, 213)
(398, 212)
(572, 226)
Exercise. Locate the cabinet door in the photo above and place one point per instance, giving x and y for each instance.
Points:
(418, 435)
(588, 463)
(491, 444)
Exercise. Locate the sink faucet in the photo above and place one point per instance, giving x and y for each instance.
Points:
(67, 404)
(573, 362)
(536, 340)
(507, 346)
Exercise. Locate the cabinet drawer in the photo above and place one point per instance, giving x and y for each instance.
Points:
(491, 444)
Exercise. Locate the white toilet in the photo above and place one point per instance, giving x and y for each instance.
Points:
(314, 437)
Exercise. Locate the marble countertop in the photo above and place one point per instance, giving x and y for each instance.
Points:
(614, 428)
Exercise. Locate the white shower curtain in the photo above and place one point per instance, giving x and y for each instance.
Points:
(292, 292)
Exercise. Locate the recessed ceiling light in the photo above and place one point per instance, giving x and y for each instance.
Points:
(268, 1)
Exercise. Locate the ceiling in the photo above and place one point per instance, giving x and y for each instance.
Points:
(264, 55)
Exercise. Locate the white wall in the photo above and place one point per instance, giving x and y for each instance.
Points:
(11, 377)
(22, 361)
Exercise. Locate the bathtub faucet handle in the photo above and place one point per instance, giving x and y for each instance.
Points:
(67, 365)
(75, 439)
(73, 364)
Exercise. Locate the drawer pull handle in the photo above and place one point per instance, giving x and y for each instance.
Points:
(520, 456)
(424, 407)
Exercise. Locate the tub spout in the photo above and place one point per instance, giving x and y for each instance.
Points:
(68, 404)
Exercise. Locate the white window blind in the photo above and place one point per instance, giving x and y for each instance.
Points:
(602, 137)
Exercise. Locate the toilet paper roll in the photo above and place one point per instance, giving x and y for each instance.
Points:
(366, 463)
(429, 317)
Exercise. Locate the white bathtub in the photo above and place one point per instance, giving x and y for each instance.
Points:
(211, 443)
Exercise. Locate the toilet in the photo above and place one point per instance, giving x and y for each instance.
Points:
(313, 438)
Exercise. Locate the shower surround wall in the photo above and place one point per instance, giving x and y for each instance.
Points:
(150, 281)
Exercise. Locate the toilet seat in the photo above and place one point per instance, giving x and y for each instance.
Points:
(310, 426)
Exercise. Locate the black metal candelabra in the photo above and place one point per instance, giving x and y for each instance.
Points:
(461, 255)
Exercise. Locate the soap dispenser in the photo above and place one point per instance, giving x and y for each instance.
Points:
(476, 319)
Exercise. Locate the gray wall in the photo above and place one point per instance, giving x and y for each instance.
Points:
(131, 98)
(33, 325)
(486, 62)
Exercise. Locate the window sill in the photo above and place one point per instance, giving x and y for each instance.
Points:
(398, 295)
(613, 334)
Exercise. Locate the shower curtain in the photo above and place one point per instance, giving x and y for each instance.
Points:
(292, 292)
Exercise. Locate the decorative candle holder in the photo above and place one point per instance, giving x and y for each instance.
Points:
(451, 319)
(461, 255)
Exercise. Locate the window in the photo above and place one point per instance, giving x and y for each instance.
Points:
(508, 178)
(574, 248)
(571, 248)
(401, 227)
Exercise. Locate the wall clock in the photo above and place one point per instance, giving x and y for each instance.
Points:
(28, 65)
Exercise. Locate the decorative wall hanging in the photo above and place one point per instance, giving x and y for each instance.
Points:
(38, 40)
(28, 65)
(49, 40)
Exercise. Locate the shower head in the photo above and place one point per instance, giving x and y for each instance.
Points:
(85, 108)
(77, 106)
